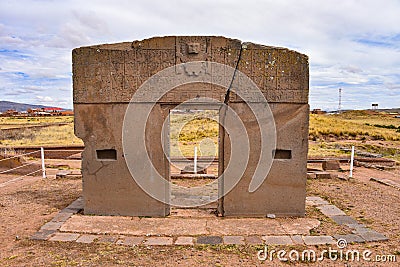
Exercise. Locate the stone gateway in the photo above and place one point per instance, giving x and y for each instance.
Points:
(107, 77)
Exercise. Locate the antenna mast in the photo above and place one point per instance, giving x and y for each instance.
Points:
(340, 100)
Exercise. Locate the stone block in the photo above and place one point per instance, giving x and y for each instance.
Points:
(107, 239)
(331, 210)
(350, 238)
(42, 234)
(343, 219)
(209, 240)
(311, 175)
(318, 240)
(62, 217)
(331, 165)
(373, 236)
(323, 175)
(130, 241)
(297, 239)
(64, 237)
(278, 240)
(52, 226)
(62, 174)
(184, 241)
(233, 240)
(158, 241)
(317, 201)
(253, 240)
(358, 228)
(87, 239)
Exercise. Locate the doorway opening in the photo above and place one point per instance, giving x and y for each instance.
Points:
(194, 137)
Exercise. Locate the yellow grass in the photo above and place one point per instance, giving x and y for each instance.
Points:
(328, 133)
(13, 122)
(356, 126)
(49, 135)
(200, 129)
(197, 129)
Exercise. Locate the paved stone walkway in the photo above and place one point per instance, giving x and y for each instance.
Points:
(199, 227)
(194, 196)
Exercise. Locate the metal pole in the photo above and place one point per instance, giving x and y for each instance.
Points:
(351, 162)
(43, 166)
(195, 160)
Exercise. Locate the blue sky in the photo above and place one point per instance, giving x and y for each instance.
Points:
(352, 44)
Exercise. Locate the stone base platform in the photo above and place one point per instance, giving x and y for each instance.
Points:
(200, 227)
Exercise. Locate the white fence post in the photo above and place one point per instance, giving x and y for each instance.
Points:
(351, 162)
(43, 166)
(195, 160)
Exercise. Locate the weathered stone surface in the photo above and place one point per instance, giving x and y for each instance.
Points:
(112, 73)
(62, 217)
(74, 207)
(11, 162)
(130, 241)
(311, 175)
(278, 240)
(184, 241)
(117, 225)
(358, 228)
(372, 236)
(135, 226)
(331, 210)
(105, 77)
(318, 240)
(116, 192)
(52, 226)
(350, 238)
(343, 219)
(43, 234)
(297, 239)
(62, 174)
(189, 169)
(323, 175)
(158, 241)
(233, 240)
(317, 201)
(331, 165)
(386, 182)
(64, 237)
(253, 240)
(209, 240)
(283, 190)
(107, 239)
(250, 226)
(300, 226)
(87, 239)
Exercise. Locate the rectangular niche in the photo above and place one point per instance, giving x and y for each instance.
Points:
(106, 154)
(283, 154)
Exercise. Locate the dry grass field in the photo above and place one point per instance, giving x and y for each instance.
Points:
(37, 131)
(367, 131)
(370, 132)
(199, 129)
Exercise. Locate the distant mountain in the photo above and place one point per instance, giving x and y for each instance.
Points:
(6, 105)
